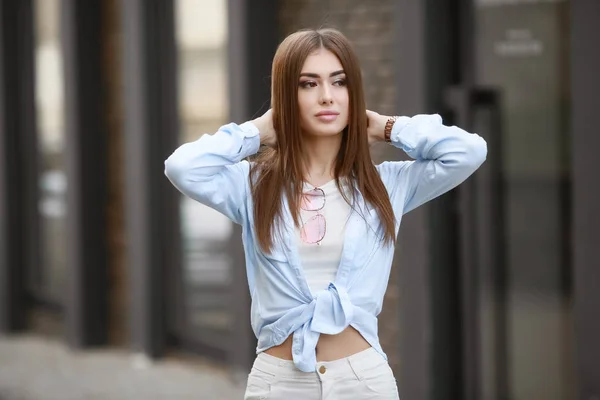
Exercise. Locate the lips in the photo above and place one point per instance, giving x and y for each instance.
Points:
(327, 112)
(327, 116)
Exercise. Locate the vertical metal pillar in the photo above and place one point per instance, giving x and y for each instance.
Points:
(412, 255)
(18, 165)
(253, 39)
(151, 134)
(86, 168)
(586, 195)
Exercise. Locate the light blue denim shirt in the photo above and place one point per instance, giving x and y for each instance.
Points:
(212, 170)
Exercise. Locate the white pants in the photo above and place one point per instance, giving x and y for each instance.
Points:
(365, 375)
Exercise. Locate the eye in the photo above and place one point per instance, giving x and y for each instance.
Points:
(308, 84)
(340, 82)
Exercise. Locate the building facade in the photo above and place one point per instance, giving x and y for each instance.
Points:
(493, 294)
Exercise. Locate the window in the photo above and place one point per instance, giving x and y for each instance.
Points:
(202, 50)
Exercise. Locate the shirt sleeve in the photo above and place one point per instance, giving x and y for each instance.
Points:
(211, 171)
(444, 157)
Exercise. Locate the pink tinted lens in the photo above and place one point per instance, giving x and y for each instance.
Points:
(313, 200)
(313, 230)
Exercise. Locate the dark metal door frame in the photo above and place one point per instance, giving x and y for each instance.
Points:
(19, 219)
(586, 195)
(480, 218)
(481, 232)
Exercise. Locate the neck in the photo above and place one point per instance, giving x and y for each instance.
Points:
(320, 154)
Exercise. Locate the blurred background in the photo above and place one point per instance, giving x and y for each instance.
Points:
(105, 270)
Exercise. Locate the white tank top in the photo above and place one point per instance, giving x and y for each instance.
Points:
(320, 262)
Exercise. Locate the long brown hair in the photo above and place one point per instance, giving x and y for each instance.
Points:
(279, 170)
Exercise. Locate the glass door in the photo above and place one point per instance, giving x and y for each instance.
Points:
(515, 220)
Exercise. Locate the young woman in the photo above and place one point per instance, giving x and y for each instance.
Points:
(319, 218)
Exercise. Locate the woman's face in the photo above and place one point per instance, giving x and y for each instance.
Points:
(323, 95)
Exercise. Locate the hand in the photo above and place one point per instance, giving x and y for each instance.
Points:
(376, 126)
(264, 123)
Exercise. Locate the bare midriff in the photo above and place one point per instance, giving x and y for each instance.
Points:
(329, 347)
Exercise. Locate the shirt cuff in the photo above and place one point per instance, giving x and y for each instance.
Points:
(397, 130)
(407, 131)
(251, 139)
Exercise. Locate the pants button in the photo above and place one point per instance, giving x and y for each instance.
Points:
(322, 369)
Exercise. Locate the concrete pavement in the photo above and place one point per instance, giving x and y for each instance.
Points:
(36, 368)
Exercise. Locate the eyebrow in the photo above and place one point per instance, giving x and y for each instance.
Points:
(313, 75)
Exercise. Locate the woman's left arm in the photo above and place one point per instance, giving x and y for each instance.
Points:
(444, 157)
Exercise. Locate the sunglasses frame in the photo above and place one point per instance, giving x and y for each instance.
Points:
(318, 214)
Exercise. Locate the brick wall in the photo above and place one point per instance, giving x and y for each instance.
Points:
(369, 26)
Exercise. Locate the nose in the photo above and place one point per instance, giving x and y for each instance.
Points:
(326, 96)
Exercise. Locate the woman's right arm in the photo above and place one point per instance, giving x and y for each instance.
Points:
(210, 169)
